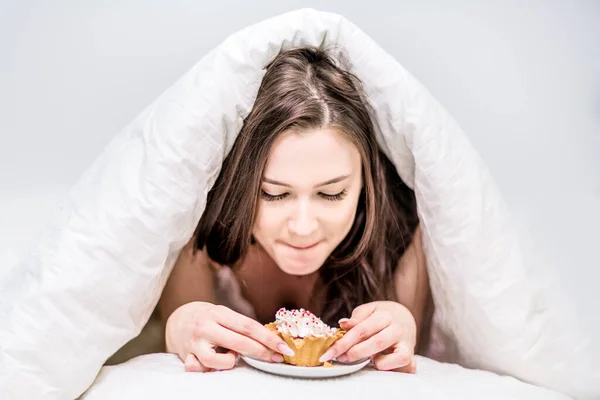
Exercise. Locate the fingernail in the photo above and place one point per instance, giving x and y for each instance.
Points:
(327, 356)
(277, 358)
(343, 321)
(343, 358)
(285, 349)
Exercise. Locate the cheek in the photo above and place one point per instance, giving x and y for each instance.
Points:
(268, 221)
(340, 219)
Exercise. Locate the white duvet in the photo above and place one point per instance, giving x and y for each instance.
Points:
(96, 275)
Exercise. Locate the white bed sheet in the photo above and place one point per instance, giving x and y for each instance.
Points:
(161, 376)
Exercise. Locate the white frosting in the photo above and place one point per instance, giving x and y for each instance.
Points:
(301, 323)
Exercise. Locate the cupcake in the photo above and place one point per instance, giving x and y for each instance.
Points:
(306, 334)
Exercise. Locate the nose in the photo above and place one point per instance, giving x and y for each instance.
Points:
(303, 221)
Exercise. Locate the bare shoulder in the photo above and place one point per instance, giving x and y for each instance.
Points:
(412, 265)
(411, 283)
(192, 279)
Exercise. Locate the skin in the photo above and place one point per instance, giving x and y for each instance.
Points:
(310, 191)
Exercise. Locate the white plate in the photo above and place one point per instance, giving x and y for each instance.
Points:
(305, 372)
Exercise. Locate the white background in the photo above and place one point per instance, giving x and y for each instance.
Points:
(521, 78)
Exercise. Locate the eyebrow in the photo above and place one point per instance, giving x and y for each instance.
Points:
(329, 182)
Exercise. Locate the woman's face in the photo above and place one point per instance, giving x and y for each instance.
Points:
(309, 193)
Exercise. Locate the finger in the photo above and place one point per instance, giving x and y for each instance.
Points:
(361, 332)
(191, 364)
(400, 360)
(363, 311)
(347, 324)
(240, 344)
(359, 314)
(373, 345)
(209, 358)
(250, 328)
(216, 361)
(411, 368)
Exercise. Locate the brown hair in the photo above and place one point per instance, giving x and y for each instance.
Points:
(305, 88)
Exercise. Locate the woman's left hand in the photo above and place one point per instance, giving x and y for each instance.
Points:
(384, 329)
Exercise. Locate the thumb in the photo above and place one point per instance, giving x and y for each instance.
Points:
(359, 314)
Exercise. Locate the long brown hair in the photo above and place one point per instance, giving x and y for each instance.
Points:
(305, 88)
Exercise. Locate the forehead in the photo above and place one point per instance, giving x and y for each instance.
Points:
(308, 156)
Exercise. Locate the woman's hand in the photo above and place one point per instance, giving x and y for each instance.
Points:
(195, 330)
(385, 329)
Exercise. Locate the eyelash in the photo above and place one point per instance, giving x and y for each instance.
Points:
(330, 197)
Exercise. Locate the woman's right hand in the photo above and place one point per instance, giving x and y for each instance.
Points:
(195, 330)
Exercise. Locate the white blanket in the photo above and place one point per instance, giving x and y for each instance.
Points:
(96, 275)
(161, 376)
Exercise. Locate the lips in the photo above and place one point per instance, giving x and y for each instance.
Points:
(303, 247)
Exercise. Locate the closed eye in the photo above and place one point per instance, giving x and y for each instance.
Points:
(270, 197)
(330, 197)
(334, 197)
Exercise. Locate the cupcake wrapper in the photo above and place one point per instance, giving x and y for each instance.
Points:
(307, 350)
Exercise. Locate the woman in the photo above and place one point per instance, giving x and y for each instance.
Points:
(307, 212)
